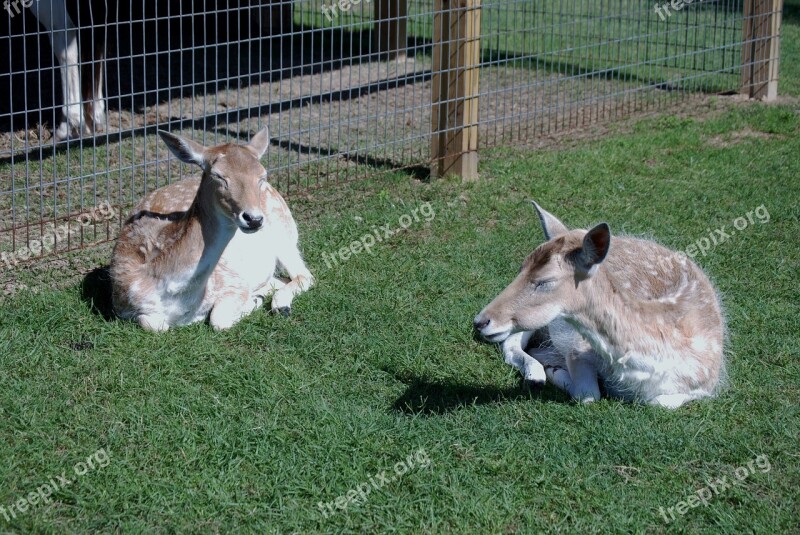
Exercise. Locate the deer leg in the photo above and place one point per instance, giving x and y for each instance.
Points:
(583, 372)
(555, 367)
(64, 40)
(229, 310)
(98, 101)
(269, 288)
(260, 294)
(300, 280)
(516, 357)
(92, 74)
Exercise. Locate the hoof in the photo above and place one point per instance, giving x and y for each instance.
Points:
(65, 132)
(284, 311)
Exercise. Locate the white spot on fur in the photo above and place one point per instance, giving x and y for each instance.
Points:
(699, 343)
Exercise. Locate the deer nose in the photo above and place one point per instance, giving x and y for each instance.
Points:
(253, 221)
(480, 323)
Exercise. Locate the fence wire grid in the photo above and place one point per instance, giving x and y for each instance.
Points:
(345, 86)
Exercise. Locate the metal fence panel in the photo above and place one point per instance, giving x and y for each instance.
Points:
(345, 87)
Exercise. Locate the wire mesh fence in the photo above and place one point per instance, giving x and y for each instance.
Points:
(348, 88)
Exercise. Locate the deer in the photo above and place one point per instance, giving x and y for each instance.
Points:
(208, 247)
(641, 319)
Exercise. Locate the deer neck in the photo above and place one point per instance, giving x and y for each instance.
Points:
(611, 313)
(204, 236)
(599, 316)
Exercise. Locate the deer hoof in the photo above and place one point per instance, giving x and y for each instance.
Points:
(65, 132)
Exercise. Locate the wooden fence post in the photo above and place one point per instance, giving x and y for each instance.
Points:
(391, 22)
(761, 49)
(456, 60)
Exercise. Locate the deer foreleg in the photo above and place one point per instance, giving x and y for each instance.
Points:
(515, 356)
(300, 280)
(583, 372)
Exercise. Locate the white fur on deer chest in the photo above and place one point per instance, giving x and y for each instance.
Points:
(565, 338)
(251, 257)
(183, 291)
(644, 372)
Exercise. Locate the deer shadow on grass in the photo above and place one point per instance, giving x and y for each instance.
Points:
(426, 397)
(96, 292)
(423, 396)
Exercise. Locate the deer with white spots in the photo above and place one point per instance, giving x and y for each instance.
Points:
(640, 319)
(209, 246)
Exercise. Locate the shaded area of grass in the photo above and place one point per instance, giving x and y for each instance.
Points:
(248, 430)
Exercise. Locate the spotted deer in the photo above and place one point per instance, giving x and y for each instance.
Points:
(208, 246)
(643, 320)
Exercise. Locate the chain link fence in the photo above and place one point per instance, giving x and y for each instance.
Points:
(348, 89)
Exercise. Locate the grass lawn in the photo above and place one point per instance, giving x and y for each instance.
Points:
(376, 378)
(789, 76)
(376, 382)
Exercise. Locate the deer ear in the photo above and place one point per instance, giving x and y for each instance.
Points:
(259, 143)
(550, 223)
(185, 150)
(595, 248)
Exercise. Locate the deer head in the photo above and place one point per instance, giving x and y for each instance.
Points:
(553, 280)
(233, 178)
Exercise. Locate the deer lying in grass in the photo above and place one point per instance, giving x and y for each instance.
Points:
(208, 246)
(643, 319)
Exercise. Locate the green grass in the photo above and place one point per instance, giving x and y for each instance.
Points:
(247, 430)
(693, 49)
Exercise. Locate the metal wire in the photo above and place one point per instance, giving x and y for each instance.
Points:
(339, 82)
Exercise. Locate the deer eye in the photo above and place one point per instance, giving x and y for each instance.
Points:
(220, 178)
(544, 285)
